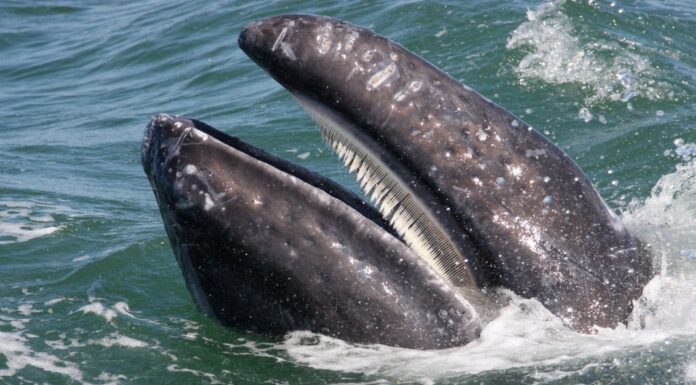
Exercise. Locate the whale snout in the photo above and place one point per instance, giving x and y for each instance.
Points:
(248, 36)
(283, 38)
(258, 38)
(152, 138)
(160, 132)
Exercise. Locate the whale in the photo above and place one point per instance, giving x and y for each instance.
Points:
(462, 201)
(270, 247)
(473, 190)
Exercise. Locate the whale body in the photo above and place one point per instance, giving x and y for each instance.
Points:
(465, 198)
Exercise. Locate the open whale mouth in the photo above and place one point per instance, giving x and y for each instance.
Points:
(465, 196)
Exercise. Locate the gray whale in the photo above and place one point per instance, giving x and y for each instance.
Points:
(465, 198)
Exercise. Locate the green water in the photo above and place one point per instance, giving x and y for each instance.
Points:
(90, 292)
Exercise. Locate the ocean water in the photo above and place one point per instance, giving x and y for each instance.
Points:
(90, 292)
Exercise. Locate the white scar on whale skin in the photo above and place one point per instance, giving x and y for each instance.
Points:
(285, 47)
(381, 77)
(280, 38)
(350, 41)
(323, 38)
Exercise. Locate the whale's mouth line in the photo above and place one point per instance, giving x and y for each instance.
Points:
(401, 212)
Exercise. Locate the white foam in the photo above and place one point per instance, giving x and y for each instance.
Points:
(191, 336)
(524, 334)
(108, 313)
(123, 308)
(110, 379)
(558, 51)
(690, 373)
(19, 323)
(22, 221)
(22, 232)
(121, 340)
(18, 355)
(251, 348)
(54, 301)
(26, 309)
(197, 373)
(61, 344)
(99, 309)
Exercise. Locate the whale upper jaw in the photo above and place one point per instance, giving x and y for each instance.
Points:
(513, 207)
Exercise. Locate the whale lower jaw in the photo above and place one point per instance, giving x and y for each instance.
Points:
(267, 246)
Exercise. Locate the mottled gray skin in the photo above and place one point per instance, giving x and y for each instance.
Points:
(270, 247)
(538, 225)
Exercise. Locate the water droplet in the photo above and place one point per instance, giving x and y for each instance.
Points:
(585, 114)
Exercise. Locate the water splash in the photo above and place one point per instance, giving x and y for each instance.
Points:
(666, 221)
(558, 51)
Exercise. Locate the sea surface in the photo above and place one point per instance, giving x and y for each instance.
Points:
(90, 292)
